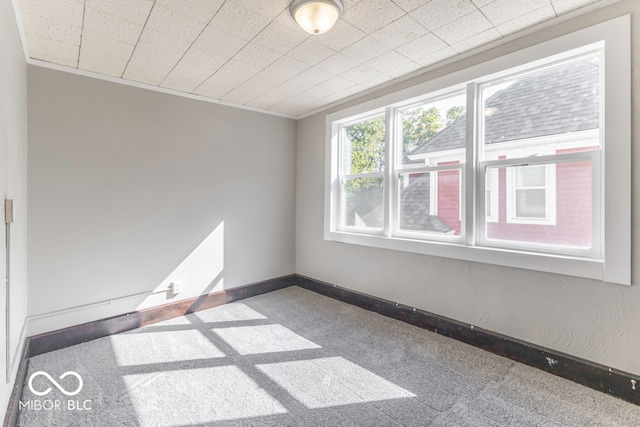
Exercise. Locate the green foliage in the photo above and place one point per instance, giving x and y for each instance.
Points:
(454, 113)
(365, 152)
(367, 145)
(418, 126)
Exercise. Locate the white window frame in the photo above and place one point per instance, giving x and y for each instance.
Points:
(494, 200)
(549, 196)
(613, 165)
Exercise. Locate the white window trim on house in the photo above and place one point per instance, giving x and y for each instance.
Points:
(550, 197)
(494, 199)
(613, 263)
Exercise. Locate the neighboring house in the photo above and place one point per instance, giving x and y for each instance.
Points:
(549, 112)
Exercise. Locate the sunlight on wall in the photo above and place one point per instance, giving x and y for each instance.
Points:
(199, 273)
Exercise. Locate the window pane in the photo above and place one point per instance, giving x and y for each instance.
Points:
(430, 202)
(434, 132)
(558, 214)
(363, 146)
(362, 201)
(549, 111)
(530, 203)
(531, 176)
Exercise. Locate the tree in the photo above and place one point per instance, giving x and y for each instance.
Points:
(365, 152)
(453, 113)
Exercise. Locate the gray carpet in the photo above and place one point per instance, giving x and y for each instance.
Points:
(295, 358)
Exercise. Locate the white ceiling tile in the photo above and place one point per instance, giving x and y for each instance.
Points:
(409, 5)
(388, 61)
(421, 47)
(131, 10)
(258, 55)
(463, 28)
(399, 32)
(315, 92)
(501, 11)
(186, 77)
(314, 75)
(230, 75)
(437, 56)
(476, 40)
(104, 55)
(218, 41)
(437, 13)
(200, 10)
(238, 21)
(174, 24)
(162, 43)
(337, 64)
(51, 29)
(336, 84)
(341, 35)
(205, 58)
(101, 23)
(148, 67)
(564, 6)
(360, 74)
(371, 15)
(310, 52)
(280, 93)
(245, 92)
(285, 68)
(403, 70)
(269, 9)
(67, 12)
(481, 3)
(364, 50)
(279, 38)
(528, 20)
(53, 51)
(286, 20)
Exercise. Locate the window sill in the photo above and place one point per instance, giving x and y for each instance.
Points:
(572, 266)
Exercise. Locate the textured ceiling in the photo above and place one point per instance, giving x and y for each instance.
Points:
(252, 53)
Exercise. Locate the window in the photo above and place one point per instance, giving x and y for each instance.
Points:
(531, 195)
(503, 166)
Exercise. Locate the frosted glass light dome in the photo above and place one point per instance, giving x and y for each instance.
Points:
(316, 16)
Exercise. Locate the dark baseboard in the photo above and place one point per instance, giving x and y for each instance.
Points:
(62, 338)
(611, 381)
(13, 408)
(598, 377)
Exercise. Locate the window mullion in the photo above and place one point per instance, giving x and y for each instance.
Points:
(469, 173)
(389, 170)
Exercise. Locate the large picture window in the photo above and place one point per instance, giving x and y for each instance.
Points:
(506, 167)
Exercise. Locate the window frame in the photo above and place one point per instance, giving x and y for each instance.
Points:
(549, 188)
(614, 186)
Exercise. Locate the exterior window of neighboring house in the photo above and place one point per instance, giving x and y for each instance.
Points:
(505, 165)
(531, 195)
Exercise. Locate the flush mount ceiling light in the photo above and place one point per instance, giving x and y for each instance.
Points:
(316, 16)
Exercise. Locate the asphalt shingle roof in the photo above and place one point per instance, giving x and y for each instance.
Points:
(554, 101)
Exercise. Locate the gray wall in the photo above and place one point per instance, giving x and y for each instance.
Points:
(131, 189)
(586, 318)
(13, 185)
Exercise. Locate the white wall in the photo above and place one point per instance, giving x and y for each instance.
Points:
(13, 185)
(585, 318)
(131, 189)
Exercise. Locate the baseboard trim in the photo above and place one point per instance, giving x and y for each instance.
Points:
(62, 338)
(13, 408)
(611, 381)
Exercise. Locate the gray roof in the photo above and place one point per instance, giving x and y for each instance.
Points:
(554, 101)
(414, 212)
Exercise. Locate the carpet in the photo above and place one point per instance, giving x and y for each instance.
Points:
(296, 358)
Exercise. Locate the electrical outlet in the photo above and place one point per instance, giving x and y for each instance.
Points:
(175, 288)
